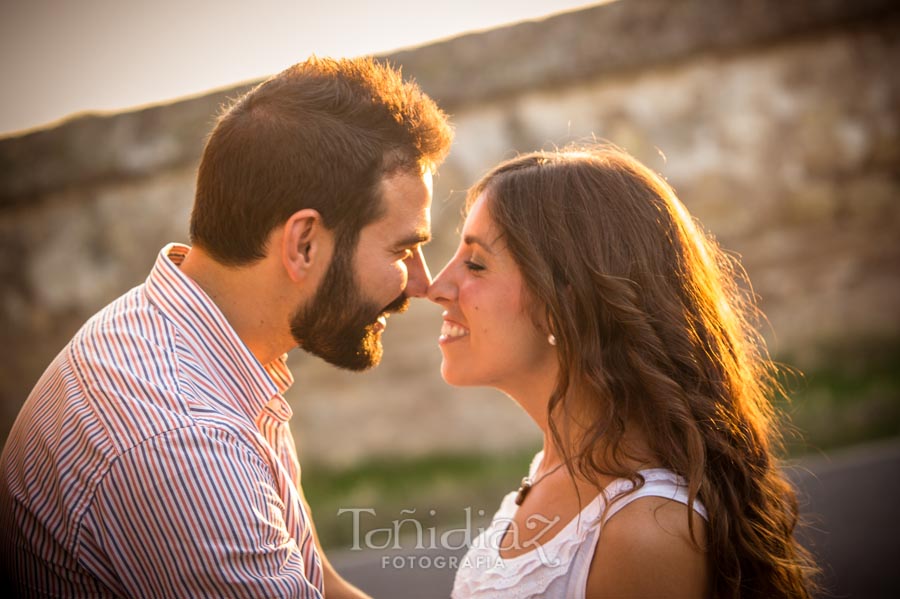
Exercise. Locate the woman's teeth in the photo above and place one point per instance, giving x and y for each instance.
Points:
(449, 330)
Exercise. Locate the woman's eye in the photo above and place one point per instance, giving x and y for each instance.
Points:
(473, 266)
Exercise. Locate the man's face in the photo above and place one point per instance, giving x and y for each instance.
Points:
(343, 322)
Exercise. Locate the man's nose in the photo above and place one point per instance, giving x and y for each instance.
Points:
(419, 276)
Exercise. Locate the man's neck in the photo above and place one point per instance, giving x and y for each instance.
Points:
(242, 294)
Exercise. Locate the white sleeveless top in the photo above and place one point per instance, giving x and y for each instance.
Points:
(558, 568)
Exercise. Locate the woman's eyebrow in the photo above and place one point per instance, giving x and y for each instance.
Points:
(474, 240)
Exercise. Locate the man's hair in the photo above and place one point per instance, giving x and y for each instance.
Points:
(321, 135)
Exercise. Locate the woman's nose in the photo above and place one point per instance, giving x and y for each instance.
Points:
(443, 288)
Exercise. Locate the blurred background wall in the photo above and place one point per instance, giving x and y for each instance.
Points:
(776, 122)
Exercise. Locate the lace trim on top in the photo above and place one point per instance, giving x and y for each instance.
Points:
(485, 571)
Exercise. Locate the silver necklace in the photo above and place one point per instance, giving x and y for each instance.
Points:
(528, 484)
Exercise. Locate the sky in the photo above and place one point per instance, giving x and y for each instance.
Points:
(60, 57)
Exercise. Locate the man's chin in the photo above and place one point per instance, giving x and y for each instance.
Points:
(362, 363)
(370, 352)
(367, 354)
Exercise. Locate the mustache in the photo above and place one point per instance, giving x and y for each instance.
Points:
(399, 305)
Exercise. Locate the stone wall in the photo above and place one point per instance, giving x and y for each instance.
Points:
(777, 123)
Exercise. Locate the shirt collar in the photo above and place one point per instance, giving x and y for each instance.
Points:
(252, 385)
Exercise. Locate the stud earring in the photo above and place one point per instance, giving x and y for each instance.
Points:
(551, 339)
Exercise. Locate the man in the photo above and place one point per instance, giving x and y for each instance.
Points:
(154, 458)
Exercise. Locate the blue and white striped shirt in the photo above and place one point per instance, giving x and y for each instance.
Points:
(154, 459)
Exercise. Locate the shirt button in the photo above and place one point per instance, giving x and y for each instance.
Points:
(279, 406)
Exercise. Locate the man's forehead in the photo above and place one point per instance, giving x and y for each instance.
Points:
(410, 185)
(419, 176)
(406, 199)
(428, 179)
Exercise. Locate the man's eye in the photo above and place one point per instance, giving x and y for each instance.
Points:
(473, 266)
(406, 254)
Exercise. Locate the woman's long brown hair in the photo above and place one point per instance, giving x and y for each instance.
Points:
(657, 326)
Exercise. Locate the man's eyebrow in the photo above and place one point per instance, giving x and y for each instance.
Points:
(472, 239)
(417, 238)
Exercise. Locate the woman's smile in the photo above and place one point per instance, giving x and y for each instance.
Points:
(451, 331)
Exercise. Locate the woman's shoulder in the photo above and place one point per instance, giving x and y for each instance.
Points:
(652, 545)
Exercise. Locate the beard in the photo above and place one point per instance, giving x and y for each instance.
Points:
(339, 324)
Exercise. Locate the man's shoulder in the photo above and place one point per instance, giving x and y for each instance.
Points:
(129, 337)
(131, 317)
(125, 369)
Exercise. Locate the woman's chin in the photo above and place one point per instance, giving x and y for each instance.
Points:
(455, 376)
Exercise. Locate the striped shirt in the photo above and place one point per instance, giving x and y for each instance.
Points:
(154, 459)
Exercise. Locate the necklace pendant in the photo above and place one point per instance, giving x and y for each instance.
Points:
(523, 490)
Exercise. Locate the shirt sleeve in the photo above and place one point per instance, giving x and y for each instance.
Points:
(192, 513)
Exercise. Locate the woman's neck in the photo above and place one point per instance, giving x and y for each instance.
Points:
(574, 427)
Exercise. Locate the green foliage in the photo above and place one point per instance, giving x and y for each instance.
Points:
(856, 399)
(439, 488)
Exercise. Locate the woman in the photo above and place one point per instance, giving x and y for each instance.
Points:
(583, 289)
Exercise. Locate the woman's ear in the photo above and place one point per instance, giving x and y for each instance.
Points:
(302, 243)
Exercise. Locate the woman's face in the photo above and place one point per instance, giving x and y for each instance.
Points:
(488, 335)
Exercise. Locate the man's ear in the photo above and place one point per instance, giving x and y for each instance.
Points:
(302, 243)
